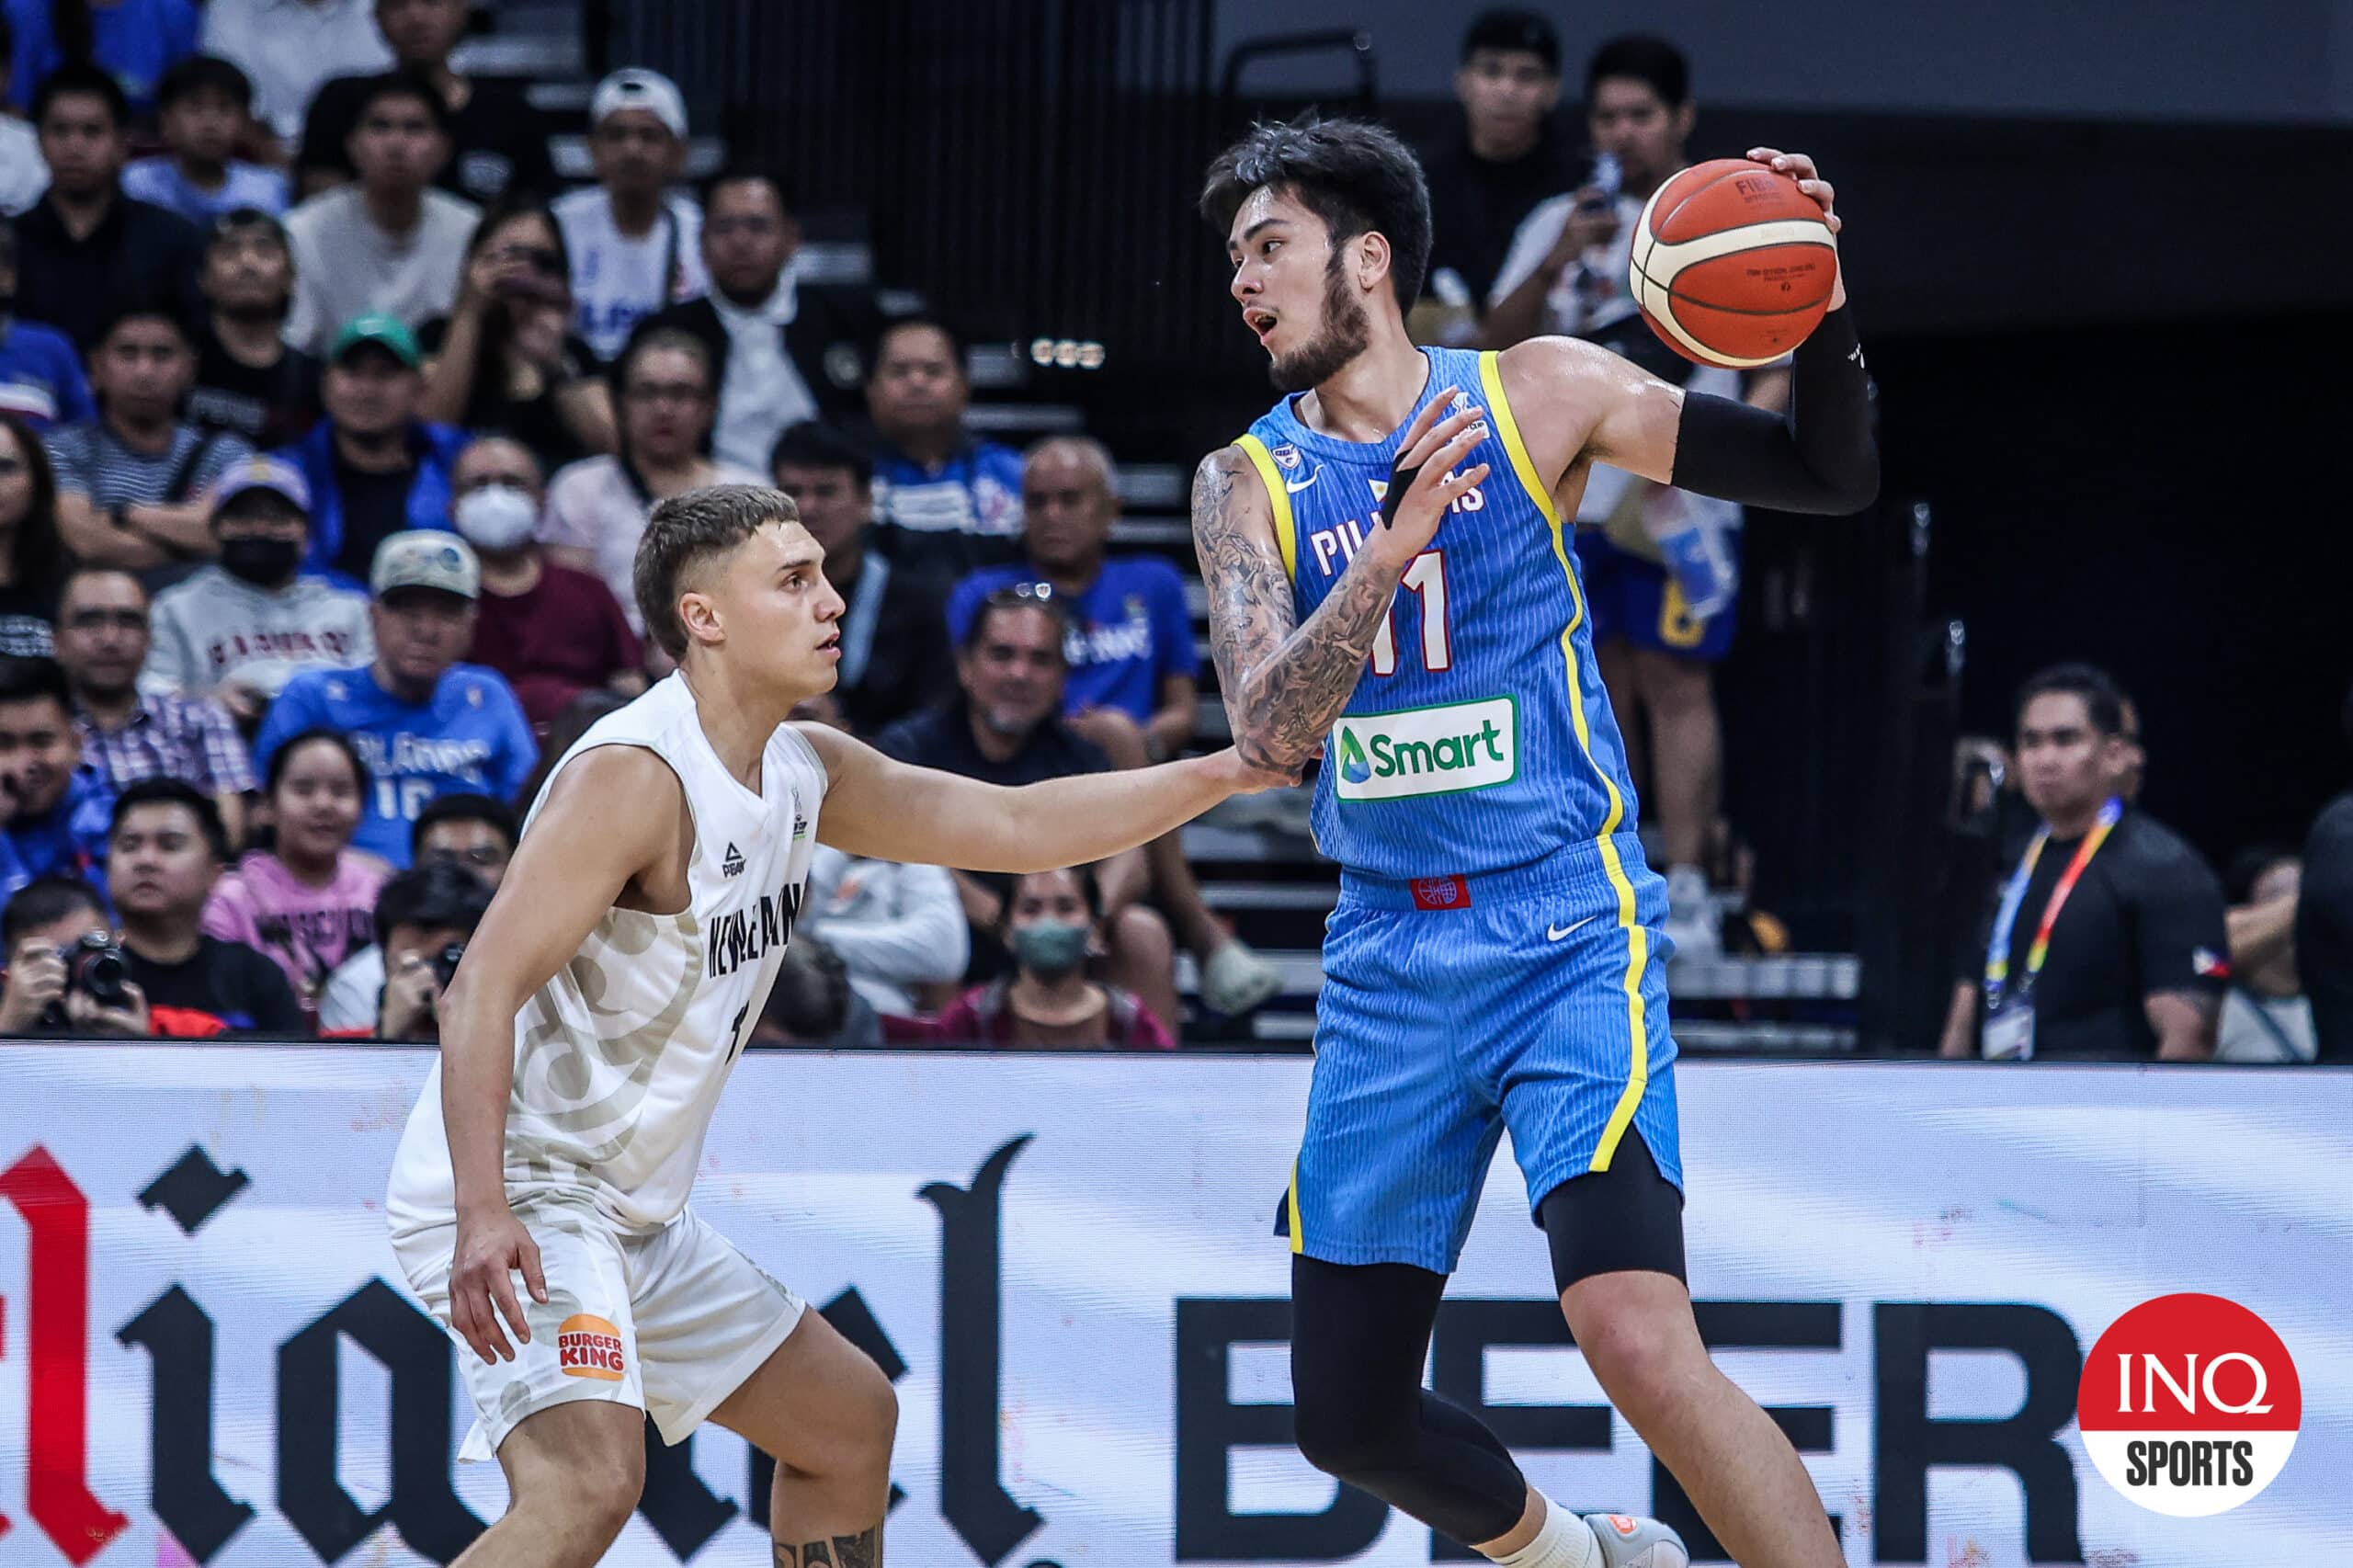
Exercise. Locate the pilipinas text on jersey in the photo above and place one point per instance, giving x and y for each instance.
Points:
(1478, 737)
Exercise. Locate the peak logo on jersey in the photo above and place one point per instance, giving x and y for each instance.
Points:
(588, 1347)
(732, 863)
(1427, 750)
(2190, 1405)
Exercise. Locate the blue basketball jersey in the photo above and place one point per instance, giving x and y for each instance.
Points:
(1479, 738)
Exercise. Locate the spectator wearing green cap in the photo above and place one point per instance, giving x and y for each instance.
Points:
(374, 468)
(391, 243)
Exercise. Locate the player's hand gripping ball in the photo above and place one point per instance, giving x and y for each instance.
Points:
(1735, 260)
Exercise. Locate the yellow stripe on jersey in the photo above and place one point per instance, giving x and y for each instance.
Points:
(1491, 379)
(1297, 1231)
(1278, 497)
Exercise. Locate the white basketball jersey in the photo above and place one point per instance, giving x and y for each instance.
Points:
(620, 1057)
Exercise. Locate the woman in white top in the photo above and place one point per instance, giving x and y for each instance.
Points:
(596, 508)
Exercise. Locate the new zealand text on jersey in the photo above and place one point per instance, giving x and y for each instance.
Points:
(1336, 546)
(742, 936)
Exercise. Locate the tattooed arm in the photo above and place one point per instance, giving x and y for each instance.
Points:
(1285, 683)
(863, 1549)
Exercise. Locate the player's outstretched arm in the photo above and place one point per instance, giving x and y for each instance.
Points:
(1819, 457)
(1285, 683)
(611, 814)
(888, 810)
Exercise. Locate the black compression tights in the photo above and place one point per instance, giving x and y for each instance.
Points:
(1360, 1334)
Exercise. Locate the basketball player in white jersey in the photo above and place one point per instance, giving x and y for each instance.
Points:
(598, 1011)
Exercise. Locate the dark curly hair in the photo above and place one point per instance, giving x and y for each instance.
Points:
(1358, 177)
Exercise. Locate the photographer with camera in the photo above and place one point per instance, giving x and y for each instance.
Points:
(167, 850)
(424, 919)
(66, 976)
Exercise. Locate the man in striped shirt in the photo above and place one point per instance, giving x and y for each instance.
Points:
(130, 482)
(128, 735)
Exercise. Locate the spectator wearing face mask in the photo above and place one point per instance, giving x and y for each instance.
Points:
(552, 631)
(308, 902)
(239, 629)
(1051, 921)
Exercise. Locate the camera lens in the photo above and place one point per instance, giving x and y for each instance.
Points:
(99, 970)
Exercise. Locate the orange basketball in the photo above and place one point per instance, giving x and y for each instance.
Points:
(1733, 263)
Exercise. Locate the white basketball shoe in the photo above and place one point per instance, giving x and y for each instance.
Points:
(1631, 1543)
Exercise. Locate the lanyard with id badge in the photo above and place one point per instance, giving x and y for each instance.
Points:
(2010, 1014)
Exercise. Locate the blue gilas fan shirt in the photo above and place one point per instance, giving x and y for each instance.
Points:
(471, 737)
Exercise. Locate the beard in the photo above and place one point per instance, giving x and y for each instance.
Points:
(1348, 332)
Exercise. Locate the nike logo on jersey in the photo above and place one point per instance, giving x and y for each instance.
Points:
(1294, 486)
(1555, 932)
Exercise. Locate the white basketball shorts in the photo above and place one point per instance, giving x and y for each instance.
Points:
(671, 1323)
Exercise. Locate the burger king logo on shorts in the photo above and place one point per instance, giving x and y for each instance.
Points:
(2190, 1405)
(588, 1347)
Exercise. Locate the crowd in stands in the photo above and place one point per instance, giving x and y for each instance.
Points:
(329, 425)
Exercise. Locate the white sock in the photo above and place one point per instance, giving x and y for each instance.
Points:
(1564, 1542)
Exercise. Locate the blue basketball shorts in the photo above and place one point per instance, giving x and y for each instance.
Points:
(1638, 600)
(1454, 1008)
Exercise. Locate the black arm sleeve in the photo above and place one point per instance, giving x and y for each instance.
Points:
(1821, 458)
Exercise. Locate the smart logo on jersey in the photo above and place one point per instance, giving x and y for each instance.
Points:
(1426, 751)
(588, 1347)
(1354, 767)
(2190, 1405)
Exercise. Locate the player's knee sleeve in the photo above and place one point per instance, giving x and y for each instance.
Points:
(1348, 1431)
(1628, 1217)
(1359, 1336)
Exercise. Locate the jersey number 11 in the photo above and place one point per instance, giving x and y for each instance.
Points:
(1427, 578)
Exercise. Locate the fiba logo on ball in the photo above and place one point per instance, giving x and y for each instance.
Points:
(2190, 1405)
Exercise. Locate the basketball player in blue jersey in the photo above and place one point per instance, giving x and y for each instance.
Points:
(1391, 582)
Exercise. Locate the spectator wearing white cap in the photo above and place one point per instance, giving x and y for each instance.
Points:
(239, 629)
(636, 246)
(290, 47)
(425, 724)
